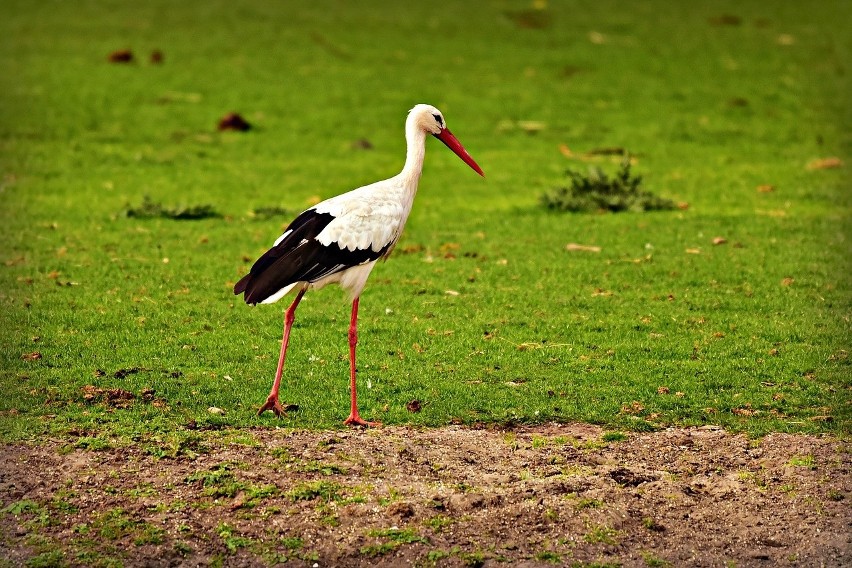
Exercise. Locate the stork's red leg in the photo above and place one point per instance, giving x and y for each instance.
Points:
(272, 402)
(354, 418)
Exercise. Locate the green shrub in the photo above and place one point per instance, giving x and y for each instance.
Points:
(596, 191)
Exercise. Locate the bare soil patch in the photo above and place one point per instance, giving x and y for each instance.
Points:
(538, 496)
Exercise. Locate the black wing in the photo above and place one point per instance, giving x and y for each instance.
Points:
(299, 257)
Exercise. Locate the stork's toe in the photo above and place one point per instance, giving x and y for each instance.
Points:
(356, 420)
(273, 404)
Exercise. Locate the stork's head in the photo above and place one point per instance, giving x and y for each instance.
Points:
(431, 120)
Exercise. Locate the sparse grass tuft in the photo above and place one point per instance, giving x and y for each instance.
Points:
(231, 539)
(549, 556)
(150, 210)
(807, 462)
(439, 523)
(600, 534)
(393, 538)
(323, 490)
(596, 191)
(653, 561)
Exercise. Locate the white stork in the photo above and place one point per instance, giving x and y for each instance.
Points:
(339, 240)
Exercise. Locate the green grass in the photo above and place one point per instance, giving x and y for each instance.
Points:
(752, 334)
(394, 538)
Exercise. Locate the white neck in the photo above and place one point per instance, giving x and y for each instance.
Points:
(415, 138)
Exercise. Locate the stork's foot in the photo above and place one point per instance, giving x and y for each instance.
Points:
(356, 420)
(272, 403)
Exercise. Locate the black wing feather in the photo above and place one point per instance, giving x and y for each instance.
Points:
(299, 257)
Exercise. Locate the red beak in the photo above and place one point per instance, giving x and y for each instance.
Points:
(453, 144)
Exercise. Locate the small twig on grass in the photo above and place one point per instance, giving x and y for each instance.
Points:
(533, 345)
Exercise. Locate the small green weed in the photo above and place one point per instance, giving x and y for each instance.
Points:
(653, 561)
(22, 507)
(143, 490)
(373, 550)
(232, 541)
(439, 523)
(324, 490)
(835, 495)
(472, 559)
(176, 444)
(323, 468)
(401, 536)
(549, 556)
(183, 548)
(588, 503)
(49, 559)
(539, 442)
(113, 524)
(149, 534)
(595, 564)
(652, 525)
(98, 559)
(600, 534)
(614, 437)
(434, 556)
(803, 461)
(93, 443)
(291, 542)
(596, 191)
(219, 481)
(395, 538)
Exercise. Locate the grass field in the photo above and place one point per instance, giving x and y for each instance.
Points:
(732, 108)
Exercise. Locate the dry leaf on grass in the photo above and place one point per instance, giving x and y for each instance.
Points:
(633, 408)
(584, 248)
(531, 126)
(597, 38)
(825, 163)
(233, 121)
(822, 418)
(745, 411)
(120, 56)
(116, 398)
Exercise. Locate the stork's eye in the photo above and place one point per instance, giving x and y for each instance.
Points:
(439, 119)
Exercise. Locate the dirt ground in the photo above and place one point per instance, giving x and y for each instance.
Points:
(394, 496)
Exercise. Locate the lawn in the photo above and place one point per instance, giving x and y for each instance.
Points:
(733, 309)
